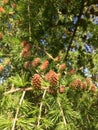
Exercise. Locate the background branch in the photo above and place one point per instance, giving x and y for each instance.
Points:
(74, 32)
(29, 20)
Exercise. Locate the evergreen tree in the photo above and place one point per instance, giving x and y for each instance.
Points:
(48, 65)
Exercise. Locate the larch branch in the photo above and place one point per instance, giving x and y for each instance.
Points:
(17, 110)
(40, 109)
(74, 32)
(62, 113)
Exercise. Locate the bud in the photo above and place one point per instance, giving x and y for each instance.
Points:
(52, 91)
(14, 5)
(57, 58)
(27, 64)
(25, 53)
(1, 35)
(5, 1)
(1, 68)
(89, 81)
(93, 88)
(2, 10)
(35, 62)
(62, 66)
(44, 65)
(79, 82)
(61, 89)
(36, 81)
(23, 43)
(71, 71)
(83, 85)
(52, 77)
(22, 54)
(27, 47)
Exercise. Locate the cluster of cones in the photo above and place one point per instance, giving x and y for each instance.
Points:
(51, 76)
(84, 85)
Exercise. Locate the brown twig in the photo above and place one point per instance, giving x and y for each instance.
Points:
(17, 110)
(62, 113)
(40, 109)
(22, 89)
(18, 90)
(74, 32)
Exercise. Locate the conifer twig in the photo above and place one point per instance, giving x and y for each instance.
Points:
(18, 90)
(62, 113)
(75, 30)
(17, 110)
(23, 89)
(40, 109)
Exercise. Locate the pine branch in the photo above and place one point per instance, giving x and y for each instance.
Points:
(74, 32)
(22, 89)
(17, 111)
(40, 109)
(62, 113)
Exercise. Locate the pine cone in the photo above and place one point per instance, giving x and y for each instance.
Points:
(36, 81)
(35, 62)
(52, 77)
(44, 65)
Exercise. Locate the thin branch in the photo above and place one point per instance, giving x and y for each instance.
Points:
(18, 90)
(62, 113)
(29, 20)
(74, 32)
(17, 111)
(49, 55)
(23, 89)
(40, 109)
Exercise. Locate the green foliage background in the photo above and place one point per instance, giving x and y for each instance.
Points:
(22, 107)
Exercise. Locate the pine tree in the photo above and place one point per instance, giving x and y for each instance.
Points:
(48, 65)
